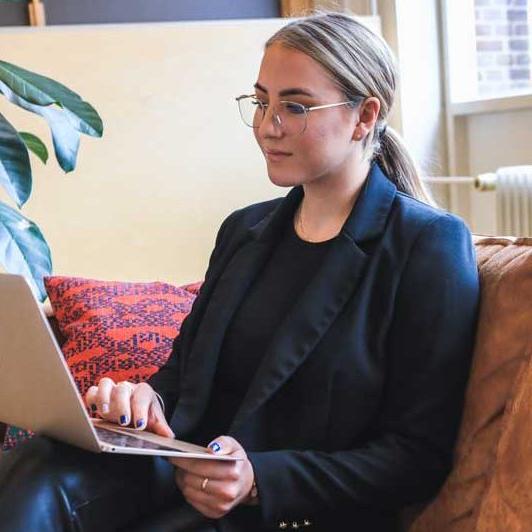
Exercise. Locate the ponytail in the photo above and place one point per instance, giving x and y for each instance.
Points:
(394, 159)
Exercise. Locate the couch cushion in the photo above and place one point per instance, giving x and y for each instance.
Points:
(507, 504)
(502, 349)
(117, 329)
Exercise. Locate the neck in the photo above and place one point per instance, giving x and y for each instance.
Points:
(328, 201)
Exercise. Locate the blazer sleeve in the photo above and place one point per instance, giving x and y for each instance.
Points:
(428, 350)
(166, 380)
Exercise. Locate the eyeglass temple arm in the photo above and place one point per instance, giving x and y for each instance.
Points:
(315, 107)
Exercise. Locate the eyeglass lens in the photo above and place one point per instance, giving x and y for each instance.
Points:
(290, 116)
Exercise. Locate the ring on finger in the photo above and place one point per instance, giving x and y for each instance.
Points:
(204, 483)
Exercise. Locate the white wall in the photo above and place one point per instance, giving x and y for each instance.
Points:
(146, 200)
(499, 139)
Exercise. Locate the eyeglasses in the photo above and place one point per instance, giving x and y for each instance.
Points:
(290, 116)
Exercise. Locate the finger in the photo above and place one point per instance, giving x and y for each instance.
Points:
(226, 446)
(156, 421)
(103, 397)
(214, 491)
(141, 398)
(90, 399)
(217, 498)
(208, 468)
(120, 407)
(214, 500)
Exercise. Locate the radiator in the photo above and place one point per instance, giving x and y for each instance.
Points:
(498, 203)
(514, 200)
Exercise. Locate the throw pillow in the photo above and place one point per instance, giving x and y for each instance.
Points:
(122, 330)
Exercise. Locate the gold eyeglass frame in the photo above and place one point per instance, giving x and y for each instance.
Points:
(276, 116)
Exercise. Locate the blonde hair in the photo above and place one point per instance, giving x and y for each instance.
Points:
(362, 65)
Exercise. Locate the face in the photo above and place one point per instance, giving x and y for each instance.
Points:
(326, 150)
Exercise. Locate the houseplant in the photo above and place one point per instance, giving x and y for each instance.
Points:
(23, 247)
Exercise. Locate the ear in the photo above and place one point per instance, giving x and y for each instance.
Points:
(367, 116)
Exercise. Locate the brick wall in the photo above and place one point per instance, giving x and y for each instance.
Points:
(503, 45)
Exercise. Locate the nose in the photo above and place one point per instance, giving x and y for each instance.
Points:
(271, 125)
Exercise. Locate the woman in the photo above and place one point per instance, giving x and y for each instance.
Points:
(330, 344)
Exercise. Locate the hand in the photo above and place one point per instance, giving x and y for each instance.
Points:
(229, 483)
(126, 403)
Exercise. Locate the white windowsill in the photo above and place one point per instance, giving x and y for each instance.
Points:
(511, 102)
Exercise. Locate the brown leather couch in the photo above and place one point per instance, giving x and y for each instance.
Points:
(490, 486)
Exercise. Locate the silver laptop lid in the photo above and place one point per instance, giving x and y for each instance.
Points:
(37, 391)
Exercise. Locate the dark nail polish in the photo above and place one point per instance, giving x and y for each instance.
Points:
(140, 422)
(215, 446)
(123, 420)
(94, 407)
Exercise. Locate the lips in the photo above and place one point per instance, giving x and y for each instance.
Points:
(276, 155)
(277, 152)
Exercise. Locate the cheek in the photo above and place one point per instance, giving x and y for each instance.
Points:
(322, 150)
(255, 134)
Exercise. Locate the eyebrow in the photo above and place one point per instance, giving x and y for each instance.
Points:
(287, 92)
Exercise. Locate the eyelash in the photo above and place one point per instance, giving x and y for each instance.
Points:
(294, 101)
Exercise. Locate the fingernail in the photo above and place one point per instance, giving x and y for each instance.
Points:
(140, 422)
(94, 407)
(123, 420)
(215, 446)
(105, 408)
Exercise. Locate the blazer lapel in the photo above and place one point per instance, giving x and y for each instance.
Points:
(326, 295)
(219, 301)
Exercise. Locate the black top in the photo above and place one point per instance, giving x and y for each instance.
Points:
(285, 275)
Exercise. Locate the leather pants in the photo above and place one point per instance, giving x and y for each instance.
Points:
(50, 486)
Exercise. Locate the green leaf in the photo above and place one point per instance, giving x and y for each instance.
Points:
(23, 249)
(15, 168)
(64, 135)
(40, 90)
(35, 144)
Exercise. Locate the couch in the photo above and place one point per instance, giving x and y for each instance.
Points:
(490, 485)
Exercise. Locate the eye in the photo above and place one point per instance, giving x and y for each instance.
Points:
(255, 102)
(294, 108)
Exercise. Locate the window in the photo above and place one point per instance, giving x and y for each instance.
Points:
(488, 45)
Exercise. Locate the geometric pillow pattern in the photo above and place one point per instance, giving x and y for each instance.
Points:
(122, 330)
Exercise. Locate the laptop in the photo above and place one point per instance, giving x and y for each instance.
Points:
(38, 393)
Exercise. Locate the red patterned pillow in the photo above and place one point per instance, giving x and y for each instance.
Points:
(116, 329)
(121, 330)
(193, 287)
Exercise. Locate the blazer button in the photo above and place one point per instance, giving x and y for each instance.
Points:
(283, 525)
(295, 524)
(306, 522)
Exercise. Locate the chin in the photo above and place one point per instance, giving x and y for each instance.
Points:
(281, 180)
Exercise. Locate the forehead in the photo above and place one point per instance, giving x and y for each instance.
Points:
(284, 67)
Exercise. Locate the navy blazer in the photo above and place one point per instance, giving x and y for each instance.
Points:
(354, 409)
